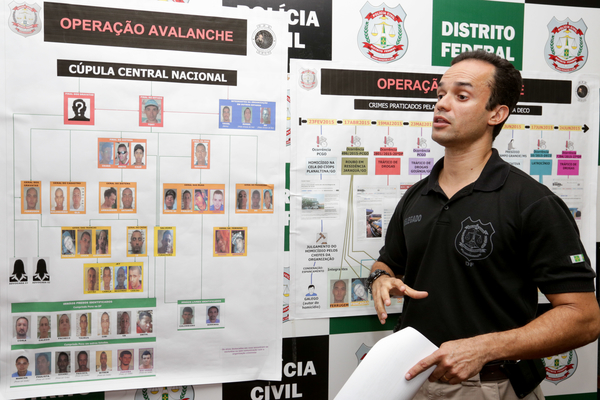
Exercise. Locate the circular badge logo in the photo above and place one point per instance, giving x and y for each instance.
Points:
(264, 40)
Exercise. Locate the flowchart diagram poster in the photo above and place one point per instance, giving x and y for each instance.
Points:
(364, 138)
(144, 196)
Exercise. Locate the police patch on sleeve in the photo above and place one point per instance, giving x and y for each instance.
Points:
(577, 258)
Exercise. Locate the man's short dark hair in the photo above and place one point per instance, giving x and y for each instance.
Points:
(61, 354)
(215, 307)
(122, 145)
(200, 144)
(218, 192)
(186, 191)
(146, 353)
(18, 358)
(110, 191)
(187, 309)
(124, 353)
(138, 147)
(144, 314)
(507, 84)
(311, 286)
(86, 233)
(80, 353)
(25, 318)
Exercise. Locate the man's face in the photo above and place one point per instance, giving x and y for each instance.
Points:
(92, 279)
(239, 245)
(136, 243)
(134, 277)
(102, 241)
(83, 324)
(339, 291)
(460, 116)
(213, 313)
(105, 323)
(76, 198)
(169, 201)
(226, 114)
(200, 153)
(311, 290)
(31, 198)
(120, 277)
(247, 115)
(146, 360)
(127, 198)
(138, 154)
(167, 242)
(187, 200)
(106, 276)
(243, 199)
(217, 201)
(255, 200)
(124, 322)
(84, 243)
(103, 360)
(64, 325)
(187, 317)
(22, 326)
(44, 327)
(63, 363)
(42, 364)
(22, 365)
(82, 360)
(151, 113)
(106, 154)
(145, 324)
(200, 203)
(221, 245)
(110, 200)
(59, 198)
(122, 152)
(125, 360)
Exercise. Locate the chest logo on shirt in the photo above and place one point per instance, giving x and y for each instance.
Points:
(474, 240)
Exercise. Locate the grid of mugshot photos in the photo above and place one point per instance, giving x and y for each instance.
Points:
(39, 270)
(346, 292)
(230, 241)
(164, 241)
(201, 314)
(137, 237)
(200, 154)
(50, 327)
(240, 114)
(117, 197)
(122, 153)
(190, 198)
(254, 198)
(113, 277)
(67, 197)
(30, 197)
(85, 241)
(96, 362)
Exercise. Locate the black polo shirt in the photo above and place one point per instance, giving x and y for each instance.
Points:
(482, 254)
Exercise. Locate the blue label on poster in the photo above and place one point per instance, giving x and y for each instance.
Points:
(247, 114)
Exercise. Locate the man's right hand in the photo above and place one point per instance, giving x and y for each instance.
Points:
(384, 286)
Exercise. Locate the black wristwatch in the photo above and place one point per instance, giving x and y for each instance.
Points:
(374, 275)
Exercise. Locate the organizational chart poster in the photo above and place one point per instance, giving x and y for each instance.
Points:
(363, 137)
(144, 196)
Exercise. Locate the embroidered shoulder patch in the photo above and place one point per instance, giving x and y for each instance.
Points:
(577, 258)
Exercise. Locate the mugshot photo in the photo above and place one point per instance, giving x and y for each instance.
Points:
(84, 242)
(136, 241)
(151, 111)
(122, 154)
(102, 242)
(127, 199)
(123, 322)
(146, 361)
(201, 200)
(103, 360)
(69, 240)
(225, 114)
(186, 199)
(121, 278)
(63, 362)
(139, 155)
(108, 199)
(200, 153)
(77, 202)
(31, 199)
(63, 324)
(170, 199)
(58, 198)
(222, 241)
(105, 153)
(44, 327)
(217, 200)
(242, 199)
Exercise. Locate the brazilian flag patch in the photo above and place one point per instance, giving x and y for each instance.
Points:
(577, 258)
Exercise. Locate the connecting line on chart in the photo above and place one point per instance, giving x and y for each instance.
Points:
(38, 235)
(349, 233)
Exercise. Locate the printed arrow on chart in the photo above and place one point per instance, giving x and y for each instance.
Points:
(585, 128)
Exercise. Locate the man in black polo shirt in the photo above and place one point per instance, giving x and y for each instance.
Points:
(475, 240)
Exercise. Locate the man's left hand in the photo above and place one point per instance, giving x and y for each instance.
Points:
(456, 361)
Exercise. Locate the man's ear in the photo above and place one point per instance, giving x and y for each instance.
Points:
(499, 115)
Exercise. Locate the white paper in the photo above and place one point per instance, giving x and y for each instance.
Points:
(381, 373)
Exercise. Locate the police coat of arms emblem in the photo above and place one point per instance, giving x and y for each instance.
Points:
(24, 19)
(474, 241)
(560, 367)
(566, 50)
(382, 37)
(308, 79)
